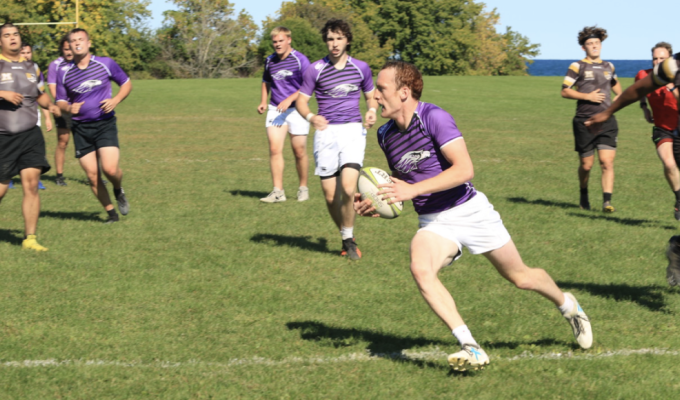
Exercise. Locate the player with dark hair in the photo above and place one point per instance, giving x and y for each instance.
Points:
(664, 105)
(63, 122)
(337, 80)
(664, 73)
(452, 213)
(283, 72)
(590, 82)
(22, 146)
(84, 90)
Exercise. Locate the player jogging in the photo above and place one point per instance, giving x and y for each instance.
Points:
(22, 146)
(590, 82)
(63, 122)
(665, 119)
(84, 90)
(431, 166)
(337, 80)
(283, 76)
(666, 72)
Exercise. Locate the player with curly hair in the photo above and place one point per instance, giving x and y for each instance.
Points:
(590, 82)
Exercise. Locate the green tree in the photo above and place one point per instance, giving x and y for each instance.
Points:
(204, 39)
(114, 26)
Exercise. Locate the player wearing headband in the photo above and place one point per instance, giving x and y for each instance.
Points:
(590, 82)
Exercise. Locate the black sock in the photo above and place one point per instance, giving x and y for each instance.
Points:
(606, 197)
(112, 212)
(584, 195)
(677, 196)
(117, 192)
(60, 175)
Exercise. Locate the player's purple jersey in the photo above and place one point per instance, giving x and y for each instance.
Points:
(284, 76)
(53, 68)
(91, 85)
(415, 155)
(338, 91)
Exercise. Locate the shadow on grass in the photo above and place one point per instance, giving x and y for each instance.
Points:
(542, 202)
(248, 193)
(650, 296)
(379, 344)
(626, 221)
(81, 216)
(540, 342)
(302, 242)
(10, 236)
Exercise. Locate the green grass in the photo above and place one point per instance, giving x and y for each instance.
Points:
(204, 292)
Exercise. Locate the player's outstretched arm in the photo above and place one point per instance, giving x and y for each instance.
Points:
(302, 105)
(637, 91)
(460, 171)
(263, 98)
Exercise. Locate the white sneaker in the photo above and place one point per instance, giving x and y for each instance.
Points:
(471, 356)
(276, 196)
(303, 193)
(580, 324)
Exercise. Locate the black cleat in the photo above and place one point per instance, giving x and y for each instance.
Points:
(60, 181)
(350, 249)
(112, 218)
(677, 210)
(123, 205)
(673, 255)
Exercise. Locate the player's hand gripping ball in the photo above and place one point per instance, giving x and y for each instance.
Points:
(369, 179)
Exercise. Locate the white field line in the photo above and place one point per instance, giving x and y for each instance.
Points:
(432, 355)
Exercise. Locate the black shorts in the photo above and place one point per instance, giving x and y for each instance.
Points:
(21, 151)
(585, 142)
(64, 122)
(660, 136)
(92, 136)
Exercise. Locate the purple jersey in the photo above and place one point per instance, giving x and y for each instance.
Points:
(284, 76)
(91, 85)
(53, 68)
(338, 91)
(415, 155)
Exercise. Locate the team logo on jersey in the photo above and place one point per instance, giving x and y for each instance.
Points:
(31, 77)
(589, 75)
(342, 90)
(410, 160)
(318, 66)
(607, 75)
(281, 75)
(87, 86)
(6, 77)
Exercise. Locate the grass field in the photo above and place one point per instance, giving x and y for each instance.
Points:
(204, 292)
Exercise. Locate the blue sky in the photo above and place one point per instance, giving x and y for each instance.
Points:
(552, 24)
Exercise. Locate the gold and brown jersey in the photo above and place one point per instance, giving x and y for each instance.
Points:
(586, 76)
(21, 77)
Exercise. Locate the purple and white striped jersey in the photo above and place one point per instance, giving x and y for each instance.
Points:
(338, 91)
(53, 68)
(284, 76)
(91, 85)
(415, 155)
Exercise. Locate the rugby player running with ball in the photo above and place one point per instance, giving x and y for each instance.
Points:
(431, 166)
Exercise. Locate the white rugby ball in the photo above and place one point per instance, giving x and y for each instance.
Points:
(369, 179)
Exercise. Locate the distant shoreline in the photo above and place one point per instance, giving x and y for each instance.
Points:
(548, 67)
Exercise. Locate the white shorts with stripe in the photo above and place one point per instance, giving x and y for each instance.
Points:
(474, 224)
(296, 124)
(338, 145)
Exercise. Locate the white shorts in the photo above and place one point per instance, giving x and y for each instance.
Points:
(296, 124)
(473, 224)
(338, 145)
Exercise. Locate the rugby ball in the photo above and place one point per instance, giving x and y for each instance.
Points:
(369, 179)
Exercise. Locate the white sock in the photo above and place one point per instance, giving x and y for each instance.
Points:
(567, 306)
(303, 188)
(347, 233)
(276, 189)
(464, 336)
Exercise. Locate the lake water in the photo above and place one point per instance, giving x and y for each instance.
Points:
(624, 68)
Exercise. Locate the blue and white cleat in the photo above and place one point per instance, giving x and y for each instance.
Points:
(471, 356)
(11, 184)
(580, 324)
(41, 186)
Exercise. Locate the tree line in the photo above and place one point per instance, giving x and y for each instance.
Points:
(210, 39)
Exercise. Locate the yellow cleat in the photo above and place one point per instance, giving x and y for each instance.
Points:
(31, 243)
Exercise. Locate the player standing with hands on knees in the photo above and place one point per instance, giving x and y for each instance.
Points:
(282, 75)
(590, 82)
(84, 91)
(431, 166)
(22, 145)
(337, 80)
(664, 103)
